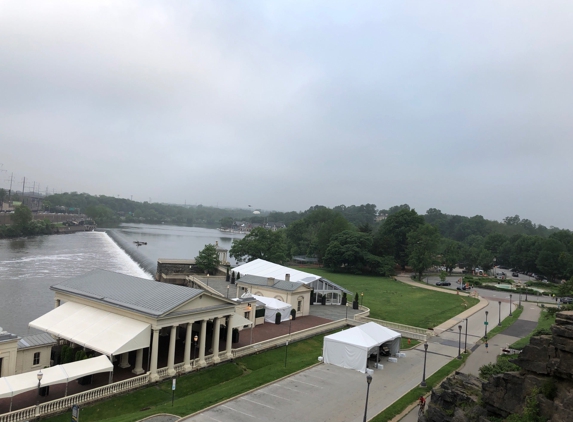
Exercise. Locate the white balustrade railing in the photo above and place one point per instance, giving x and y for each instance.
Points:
(19, 415)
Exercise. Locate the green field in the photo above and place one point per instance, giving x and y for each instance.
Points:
(394, 301)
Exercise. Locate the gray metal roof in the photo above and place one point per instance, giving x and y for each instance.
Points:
(6, 336)
(124, 291)
(255, 280)
(37, 340)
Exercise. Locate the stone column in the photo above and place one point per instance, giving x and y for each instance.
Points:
(202, 343)
(216, 333)
(56, 303)
(138, 369)
(124, 361)
(187, 354)
(154, 352)
(171, 356)
(229, 343)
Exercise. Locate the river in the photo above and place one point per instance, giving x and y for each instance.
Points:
(29, 266)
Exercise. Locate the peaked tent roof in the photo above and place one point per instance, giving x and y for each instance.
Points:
(365, 336)
(263, 268)
(136, 294)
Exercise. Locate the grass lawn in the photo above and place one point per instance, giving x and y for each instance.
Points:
(544, 323)
(394, 301)
(204, 388)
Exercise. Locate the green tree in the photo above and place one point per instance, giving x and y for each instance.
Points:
(227, 222)
(566, 289)
(22, 216)
(548, 259)
(422, 248)
(208, 259)
(348, 251)
(261, 243)
(392, 236)
(450, 251)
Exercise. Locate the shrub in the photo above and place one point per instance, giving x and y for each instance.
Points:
(356, 297)
(502, 365)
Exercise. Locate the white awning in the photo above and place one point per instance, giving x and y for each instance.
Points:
(95, 329)
(239, 321)
(18, 384)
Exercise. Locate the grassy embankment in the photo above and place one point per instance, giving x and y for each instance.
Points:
(394, 301)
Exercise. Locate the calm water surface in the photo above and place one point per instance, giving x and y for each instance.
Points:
(28, 267)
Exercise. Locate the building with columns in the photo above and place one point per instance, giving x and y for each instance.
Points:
(115, 314)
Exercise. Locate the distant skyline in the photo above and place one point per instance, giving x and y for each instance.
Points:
(465, 107)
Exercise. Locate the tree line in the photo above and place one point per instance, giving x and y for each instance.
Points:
(23, 224)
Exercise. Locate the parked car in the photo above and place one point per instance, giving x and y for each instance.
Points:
(462, 287)
(443, 283)
(566, 300)
(514, 274)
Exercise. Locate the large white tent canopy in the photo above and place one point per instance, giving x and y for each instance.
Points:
(351, 348)
(95, 329)
(272, 306)
(18, 384)
(262, 268)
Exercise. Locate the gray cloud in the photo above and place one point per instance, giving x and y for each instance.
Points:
(283, 105)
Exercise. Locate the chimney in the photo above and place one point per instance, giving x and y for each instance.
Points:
(287, 277)
(270, 281)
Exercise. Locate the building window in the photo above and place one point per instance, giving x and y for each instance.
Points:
(36, 358)
(298, 305)
(248, 315)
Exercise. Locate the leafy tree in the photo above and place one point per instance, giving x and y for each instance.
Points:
(450, 251)
(22, 216)
(261, 243)
(208, 259)
(227, 222)
(101, 214)
(548, 259)
(392, 236)
(422, 248)
(348, 251)
(566, 289)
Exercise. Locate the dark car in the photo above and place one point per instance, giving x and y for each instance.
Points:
(566, 300)
(443, 283)
(461, 288)
(514, 274)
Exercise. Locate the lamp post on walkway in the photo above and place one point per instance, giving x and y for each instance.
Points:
(460, 342)
(485, 324)
(228, 292)
(519, 306)
(368, 380)
(346, 306)
(286, 347)
(423, 383)
(510, 304)
(499, 319)
(194, 344)
(466, 342)
(39, 376)
(362, 299)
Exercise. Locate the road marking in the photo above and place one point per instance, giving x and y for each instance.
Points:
(274, 395)
(291, 389)
(314, 376)
(238, 411)
(260, 404)
(308, 383)
(213, 419)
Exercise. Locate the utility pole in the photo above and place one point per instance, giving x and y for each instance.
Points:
(10, 190)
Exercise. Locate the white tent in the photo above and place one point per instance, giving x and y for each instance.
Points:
(96, 329)
(351, 348)
(18, 384)
(272, 306)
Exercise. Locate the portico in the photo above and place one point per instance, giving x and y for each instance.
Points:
(115, 314)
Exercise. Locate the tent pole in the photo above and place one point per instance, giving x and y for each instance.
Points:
(11, 397)
(378, 357)
(111, 372)
(66, 392)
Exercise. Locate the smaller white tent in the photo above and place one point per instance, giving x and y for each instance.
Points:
(272, 306)
(351, 348)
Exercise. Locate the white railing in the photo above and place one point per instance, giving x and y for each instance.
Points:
(19, 415)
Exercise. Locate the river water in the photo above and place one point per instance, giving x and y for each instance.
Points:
(29, 266)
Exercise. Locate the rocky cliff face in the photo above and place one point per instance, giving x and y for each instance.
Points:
(544, 385)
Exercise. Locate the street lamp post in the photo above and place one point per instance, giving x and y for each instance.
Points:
(362, 299)
(460, 342)
(194, 344)
(486, 312)
(423, 383)
(510, 296)
(368, 380)
(207, 279)
(346, 306)
(39, 376)
(228, 292)
(286, 347)
(519, 306)
(466, 341)
(499, 319)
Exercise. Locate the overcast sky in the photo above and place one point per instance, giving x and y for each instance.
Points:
(462, 106)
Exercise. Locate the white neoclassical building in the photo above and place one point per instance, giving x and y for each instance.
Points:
(115, 314)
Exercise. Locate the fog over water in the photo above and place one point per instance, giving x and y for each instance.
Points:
(29, 266)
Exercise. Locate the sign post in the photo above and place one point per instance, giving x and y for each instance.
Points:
(75, 413)
(173, 391)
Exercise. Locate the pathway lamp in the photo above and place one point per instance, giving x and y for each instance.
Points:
(362, 299)
(466, 342)
(423, 383)
(460, 342)
(485, 324)
(228, 292)
(499, 319)
(39, 376)
(368, 381)
(510, 296)
(346, 306)
(207, 279)
(519, 306)
(194, 345)
(249, 308)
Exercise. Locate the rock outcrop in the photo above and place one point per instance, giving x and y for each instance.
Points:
(544, 385)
